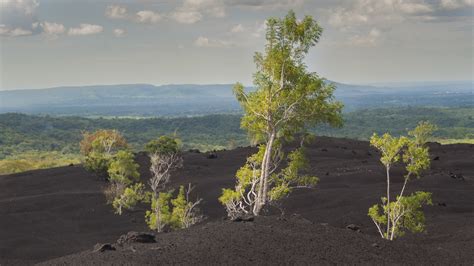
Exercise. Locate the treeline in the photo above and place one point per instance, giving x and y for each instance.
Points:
(21, 133)
(453, 123)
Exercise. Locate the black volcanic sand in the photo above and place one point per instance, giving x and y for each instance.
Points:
(48, 214)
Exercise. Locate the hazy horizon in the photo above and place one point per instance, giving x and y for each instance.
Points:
(374, 84)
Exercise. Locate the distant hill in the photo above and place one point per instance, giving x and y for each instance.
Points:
(122, 100)
(186, 100)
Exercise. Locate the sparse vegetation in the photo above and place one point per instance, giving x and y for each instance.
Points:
(393, 216)
(165, 157)
(185, 212)
(124, 187)
(130, 196)
(37, 160)
(99, 148)
(288, 100)
(160, 215)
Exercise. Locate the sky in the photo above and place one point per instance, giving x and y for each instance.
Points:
(49, 43)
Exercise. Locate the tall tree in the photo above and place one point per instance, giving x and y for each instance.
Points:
(288, 98)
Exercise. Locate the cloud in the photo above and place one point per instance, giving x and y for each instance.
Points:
(361, 16)
(186, 17)
(213, 43)
(189, 12)
(13, 32)
(457, 4)
(116, 12)
(27, 7)
(51, 28)
(377, 12)
(119, 32)
(20, 32)
(237, 28)
(148, 16)
(369, 40)
(266, 4)
(192, 11)
(85, 29)
(17, 17)
(260, 28)
(214, 8)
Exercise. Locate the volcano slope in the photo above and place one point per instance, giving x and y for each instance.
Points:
(55, 216)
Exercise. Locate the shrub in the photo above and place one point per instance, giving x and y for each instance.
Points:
(163, 145)
(160, 215)
(102, 140)
(129, 198)
(123, 168)
(177, 213)
(185, 212)
(123, 172)
(165, 157)
(99, 148)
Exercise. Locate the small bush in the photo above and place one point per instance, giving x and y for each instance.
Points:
(185, 213)
(129, 198)
(123, 191)
(177, 213)
(160, 215)
(123, 168)
(99, 148)
(164, 145)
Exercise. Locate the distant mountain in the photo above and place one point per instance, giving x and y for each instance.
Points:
(122, 100)
(185, 100)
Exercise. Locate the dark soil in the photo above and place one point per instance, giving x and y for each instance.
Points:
(48, 214)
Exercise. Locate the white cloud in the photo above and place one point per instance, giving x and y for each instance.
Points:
(456, 4)
(266, 4)
(237, 28)
(85, 29)
(214, 8)
(3, 30)
(17, 17)
(20, 32)
(13, 32)
(213, 43)
(415, 8)
(193, 11)
(116, 12)
(260, 28)
(369, 40)
(27, 7)
(361, 16)
(119, 32)
(148, 16)
(372, 13)
(51, 28)
(186, 17)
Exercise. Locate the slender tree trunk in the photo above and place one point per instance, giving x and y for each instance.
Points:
(158, 219)
(398, 206)
(388, 200)
(263, 182)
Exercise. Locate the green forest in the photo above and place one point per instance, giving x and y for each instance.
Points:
(21, 133)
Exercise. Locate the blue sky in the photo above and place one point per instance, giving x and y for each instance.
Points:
(46, 43)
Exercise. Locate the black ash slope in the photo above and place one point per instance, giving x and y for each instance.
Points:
(47, 214)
